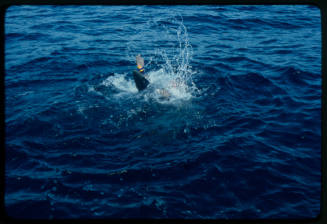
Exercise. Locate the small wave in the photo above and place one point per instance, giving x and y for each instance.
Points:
(35, 36)
(270, 41)
(251, 80)
(254, 23)
(31, 64)
(95, 20)
(42, 26)
(205, 19)
(244, 59)
(247, 22)
(31, 126)
(13, 35)
(69, 27)
(249, 83)
(284, 25)
(281, 52)
(296, 76)
(39, 82)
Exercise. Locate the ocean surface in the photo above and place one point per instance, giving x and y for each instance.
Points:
(237, 137)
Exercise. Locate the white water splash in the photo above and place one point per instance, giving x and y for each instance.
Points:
(168, 85)
(167, 67)
(121, 83)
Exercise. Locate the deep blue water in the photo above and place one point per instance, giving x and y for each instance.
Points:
(239, 137)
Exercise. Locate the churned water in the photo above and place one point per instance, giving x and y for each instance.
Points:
(238, 137)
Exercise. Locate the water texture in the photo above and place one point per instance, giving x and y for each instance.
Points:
(239, 136)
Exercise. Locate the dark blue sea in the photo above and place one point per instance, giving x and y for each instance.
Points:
(237, 137)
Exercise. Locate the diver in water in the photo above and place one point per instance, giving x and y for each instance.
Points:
(140, 78)
(140, 81)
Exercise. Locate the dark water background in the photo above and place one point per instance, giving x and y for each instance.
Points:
(239, 138)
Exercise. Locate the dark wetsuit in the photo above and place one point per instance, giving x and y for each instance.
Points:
(140, 81)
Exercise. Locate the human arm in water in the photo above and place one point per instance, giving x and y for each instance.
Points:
(140, 63)
(140, 81)
(140, 67)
